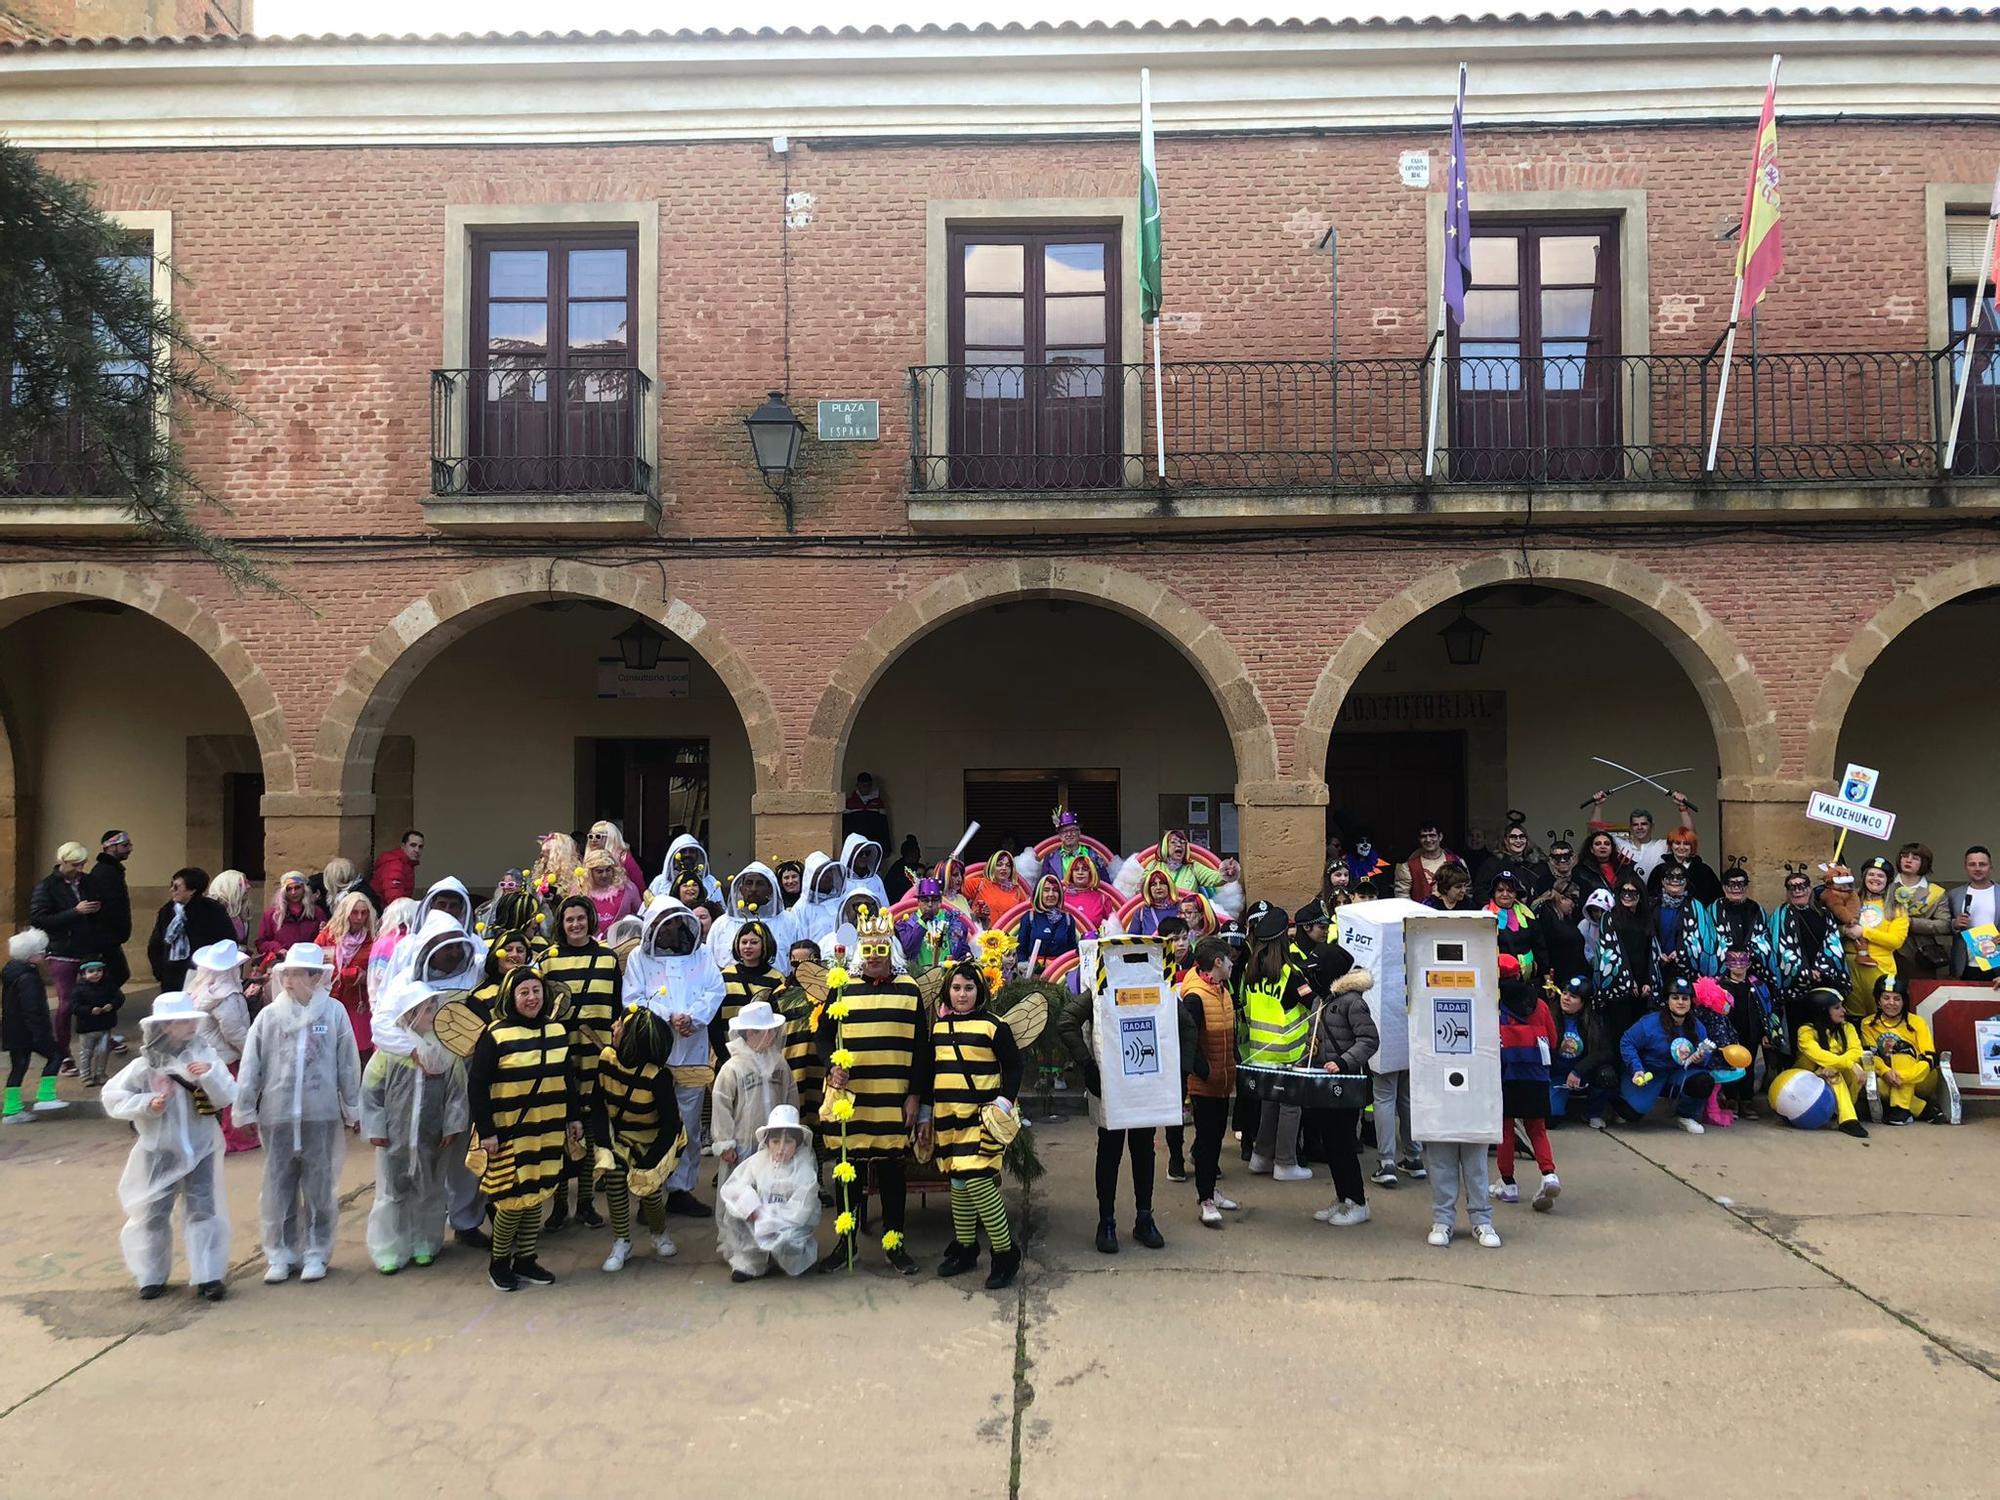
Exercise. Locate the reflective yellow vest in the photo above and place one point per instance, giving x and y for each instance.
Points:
(1277, 1034)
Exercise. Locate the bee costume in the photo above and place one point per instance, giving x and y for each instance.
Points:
(590, 974)
(522, 1092)
(883, 1025)
(743, 983)
(636, 1124)
(975, 1063)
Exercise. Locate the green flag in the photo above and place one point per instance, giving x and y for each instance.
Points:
(1149, 207)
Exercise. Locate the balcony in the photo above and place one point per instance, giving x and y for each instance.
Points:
(1301, 433)
(523, 447)
(77, 479)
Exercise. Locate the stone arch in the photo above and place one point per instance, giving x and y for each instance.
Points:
(1206, 648)
(26, 588)
(1739, 712)
(368, 692)
(1843, 678)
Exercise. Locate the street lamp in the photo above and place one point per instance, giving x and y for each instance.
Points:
(1464, 640)
(775, 435)
(639, 646)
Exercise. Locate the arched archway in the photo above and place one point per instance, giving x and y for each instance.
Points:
(1206, 648)
(26, 588)
(1739, 711)
(344, 754)
(1904, 698)
(580, 753)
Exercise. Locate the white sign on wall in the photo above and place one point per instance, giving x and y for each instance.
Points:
(1415, 169)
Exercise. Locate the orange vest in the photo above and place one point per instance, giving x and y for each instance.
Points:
(1218, 1040)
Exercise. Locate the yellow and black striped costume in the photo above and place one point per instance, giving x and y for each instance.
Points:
(591, 973)
(973, 1061)
(802, 1018)
(889, 1034)
(521, 1091)
(740, 986)
(637, 1114)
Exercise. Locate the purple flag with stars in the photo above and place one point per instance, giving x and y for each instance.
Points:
(1457, 213)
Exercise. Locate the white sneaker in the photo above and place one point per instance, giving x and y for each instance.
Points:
(49, 1106)
(1260, 1166)
(664, 1247)
(1487, 1235)
(1596, 1122)
(1227, 1205)
(1060, 1086)
(1350, 1214)
(1325, 1215)
(314, 1270)
(1296, 1173)
(1211, 1216)
(615, 1261)
(1546, 1195)
(1440, 1235)
(23, 1118)
(1507, 1192)
(1692, 1127)
(276, 1272)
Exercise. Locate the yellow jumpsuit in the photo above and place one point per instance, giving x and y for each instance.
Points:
(1908, 1079)
(1846, 1065)
(1875, 954)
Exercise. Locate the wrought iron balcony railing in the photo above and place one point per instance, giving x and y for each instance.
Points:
(1561, 419)
(78, 461)
(539, 429)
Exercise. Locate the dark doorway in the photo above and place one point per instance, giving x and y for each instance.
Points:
(1389, 785)
(243, 823)
(654, 790)
(1017, 808)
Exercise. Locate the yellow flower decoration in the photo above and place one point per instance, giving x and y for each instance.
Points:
(836, 977)
(527, 874)
(844, 1172)
(844, 1224)
(480, 928)
(892, 1240)
(842, 1058)
(843, 1109)
(838, 1010)
(579, 872)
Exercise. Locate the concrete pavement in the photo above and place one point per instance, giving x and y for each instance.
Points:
(1695, 1313)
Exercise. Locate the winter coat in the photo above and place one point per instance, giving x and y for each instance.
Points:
(94, 1007)
(1213, 1012)
(107, 880)
(1559, 946)
(52, 907)
(24, 1010)
(350, 985)
(1345, 1031)
(1580, 1048)
(280, 928)
(1647, 1047)
(207, 921)
(394, 876)
(747, 1088)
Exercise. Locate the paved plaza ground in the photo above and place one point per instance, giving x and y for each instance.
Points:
(1752, 1312)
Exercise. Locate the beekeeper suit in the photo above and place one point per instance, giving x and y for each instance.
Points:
(444, 959)
(179, 1150)
(300, 1082)
(673, 975)
(861, 857)
(741, 910)
(439, 901)
(413, 1107)
(663, 883)
(845, 934)
(817, 911)
(769, 1209)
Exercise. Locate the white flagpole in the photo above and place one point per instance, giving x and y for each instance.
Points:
(1728, 357)
(1159, 411)
(1453, 169)
(1971, 337)
(1437, 379)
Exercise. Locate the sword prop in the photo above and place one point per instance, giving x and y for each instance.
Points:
(1642, 776)
(1609, 791)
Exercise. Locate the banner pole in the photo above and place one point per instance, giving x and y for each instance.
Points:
(1728, 358)
(1437, 381)
(1971, 344)
(1159, 410)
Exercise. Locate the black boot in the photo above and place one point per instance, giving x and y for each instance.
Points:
(901, 1260)
(501, 1274)
(1107, 1237)
(586, 1207)
(1147, 1233)
(1005, 1264)
(558, 1210)
(837, 1258)
(958, 1259)
(684, 1203)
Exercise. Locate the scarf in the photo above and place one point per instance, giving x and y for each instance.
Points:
(176, 937)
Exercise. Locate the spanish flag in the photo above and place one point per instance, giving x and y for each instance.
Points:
(1760, 252)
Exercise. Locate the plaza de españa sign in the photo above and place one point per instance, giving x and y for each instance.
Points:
(850, 421)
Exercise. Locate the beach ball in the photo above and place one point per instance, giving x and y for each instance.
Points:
(1683, 1050)
(1802, 1099)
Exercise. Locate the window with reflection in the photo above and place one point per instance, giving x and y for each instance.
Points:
(1972, 302)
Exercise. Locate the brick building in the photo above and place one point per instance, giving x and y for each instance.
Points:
(498, 307)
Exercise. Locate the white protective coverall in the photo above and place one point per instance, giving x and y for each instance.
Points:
(671, 973)
(821, 885)
(300, 1083)
(786, 1202)
(862, 859)
(178, 1155)
(413, 1097)
(663, 883)
(739, 912)
(846, 935)
(445, 959)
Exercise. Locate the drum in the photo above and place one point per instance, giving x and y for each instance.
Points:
(1308, 1088)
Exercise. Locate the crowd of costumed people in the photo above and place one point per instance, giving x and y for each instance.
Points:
(569, 1052)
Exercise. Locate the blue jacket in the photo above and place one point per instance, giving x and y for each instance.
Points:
(1055, 931)
(1646, 1046)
